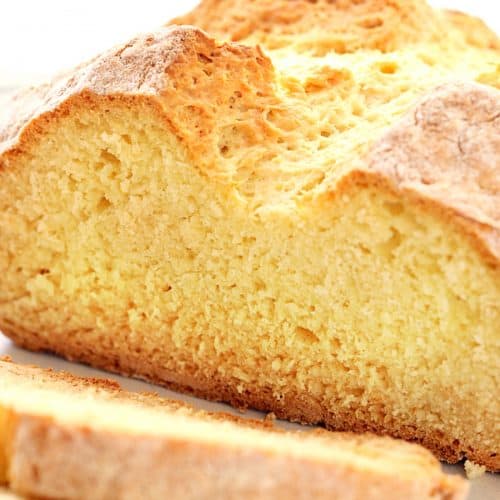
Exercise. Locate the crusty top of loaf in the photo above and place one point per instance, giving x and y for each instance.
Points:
(440, 151)
(145, 66)
(160, 66)
(341, 25)
(447, 151)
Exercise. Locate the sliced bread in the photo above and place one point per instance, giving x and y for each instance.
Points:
(69, 437)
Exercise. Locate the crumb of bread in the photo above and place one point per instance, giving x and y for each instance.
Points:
(473, 470)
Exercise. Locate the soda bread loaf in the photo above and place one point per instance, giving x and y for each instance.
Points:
(300, 213)
(69, 437)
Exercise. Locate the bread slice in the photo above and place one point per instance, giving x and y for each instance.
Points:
(69, 437)
(306, 226)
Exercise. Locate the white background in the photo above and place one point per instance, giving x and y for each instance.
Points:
(38, 38)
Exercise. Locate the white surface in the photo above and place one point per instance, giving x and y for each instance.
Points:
(39, 38)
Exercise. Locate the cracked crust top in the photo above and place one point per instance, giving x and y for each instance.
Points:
(342, 26)
(444, 152)
(137, 67)
(180, 70)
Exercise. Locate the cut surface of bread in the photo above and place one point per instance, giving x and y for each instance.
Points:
(306, 226)
(69, 437)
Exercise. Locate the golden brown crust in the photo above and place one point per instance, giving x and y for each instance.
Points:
(134, 68)
(342, 26)
(179, 69)
(300, 408)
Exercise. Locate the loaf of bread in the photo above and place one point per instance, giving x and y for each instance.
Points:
(69, 437)
(300, 213)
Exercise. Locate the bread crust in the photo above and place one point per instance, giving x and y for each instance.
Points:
(373, 24)
(157, 68)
